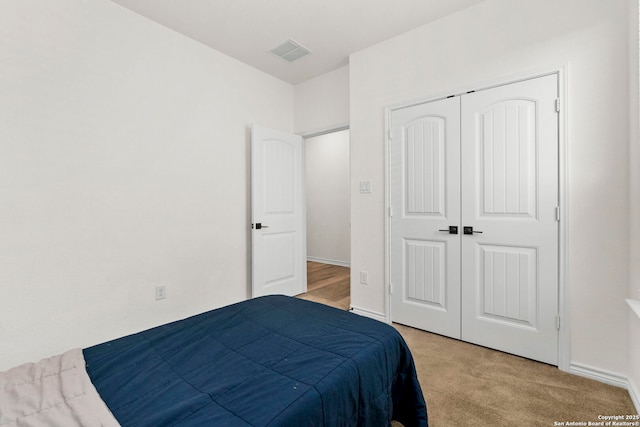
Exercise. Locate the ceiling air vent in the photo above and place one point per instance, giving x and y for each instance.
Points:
(290, 50)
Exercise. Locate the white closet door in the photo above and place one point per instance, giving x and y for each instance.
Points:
(487, 162)
(425, 199)
(509, 196)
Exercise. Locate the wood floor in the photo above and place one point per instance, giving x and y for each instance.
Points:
(328, 284)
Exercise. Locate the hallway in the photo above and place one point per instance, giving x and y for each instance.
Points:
(328, 284)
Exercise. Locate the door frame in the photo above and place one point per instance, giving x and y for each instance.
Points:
(564, 334)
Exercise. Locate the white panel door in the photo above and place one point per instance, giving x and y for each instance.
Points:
(486, 162)
(509, 197)
(278, 216)
(425, 201)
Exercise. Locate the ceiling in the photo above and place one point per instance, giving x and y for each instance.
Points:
(332, 29)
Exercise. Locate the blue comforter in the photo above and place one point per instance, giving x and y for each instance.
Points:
(270, 361)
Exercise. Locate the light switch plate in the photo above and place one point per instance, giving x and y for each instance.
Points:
(365, 187)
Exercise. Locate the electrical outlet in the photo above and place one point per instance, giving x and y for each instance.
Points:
(364, 277)
(161, 292)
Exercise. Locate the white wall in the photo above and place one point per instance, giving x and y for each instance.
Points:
(123, 165)
(634, 165)
(327, 196)
(322, 103)
(499, 39)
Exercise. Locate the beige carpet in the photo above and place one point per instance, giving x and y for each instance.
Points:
(468, 385)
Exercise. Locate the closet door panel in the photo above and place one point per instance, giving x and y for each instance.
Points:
(425, 199)
(509, 161)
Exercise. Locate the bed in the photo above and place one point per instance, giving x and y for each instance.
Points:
(269, 361)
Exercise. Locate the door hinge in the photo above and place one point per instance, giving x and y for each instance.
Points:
(390, 135)
(557, 213)
(390, 211)
(558, 322)
(390, 289)
(557, 105)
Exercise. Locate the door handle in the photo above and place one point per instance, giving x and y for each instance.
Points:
(469, 230)
(453, 229)
(260, 226)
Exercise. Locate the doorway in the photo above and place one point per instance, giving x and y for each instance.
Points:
(328, 215)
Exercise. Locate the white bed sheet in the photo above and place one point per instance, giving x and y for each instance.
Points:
(53, 392)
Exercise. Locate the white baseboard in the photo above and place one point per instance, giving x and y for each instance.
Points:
(634, 392)
(368, 313)
(329, 261)
(599, 375)
(609, 378)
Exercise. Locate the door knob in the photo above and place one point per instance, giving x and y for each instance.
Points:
(453, 229)
(469, 230)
